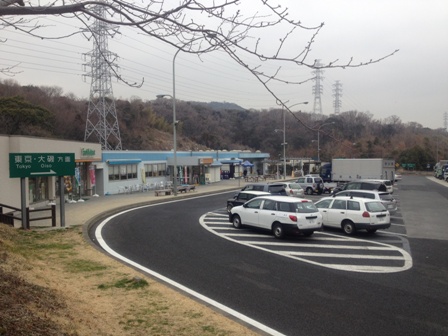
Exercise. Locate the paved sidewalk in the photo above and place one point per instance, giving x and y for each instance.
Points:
(95, 208)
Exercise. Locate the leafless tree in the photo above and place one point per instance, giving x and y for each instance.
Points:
(198, 27)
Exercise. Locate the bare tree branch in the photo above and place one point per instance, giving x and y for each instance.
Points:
(197, 27)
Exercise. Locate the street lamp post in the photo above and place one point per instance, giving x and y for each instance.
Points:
(284, 143)
(173, 97)
(174, 112)
(174, 137)
(318, 139)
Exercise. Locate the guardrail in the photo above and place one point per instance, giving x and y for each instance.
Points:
(8, 218)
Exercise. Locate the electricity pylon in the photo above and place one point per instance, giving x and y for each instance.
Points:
(337, 103)
(102, 121)
(317, 88)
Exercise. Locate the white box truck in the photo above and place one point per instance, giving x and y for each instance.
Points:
(344, 170)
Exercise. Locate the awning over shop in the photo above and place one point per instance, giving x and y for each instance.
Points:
(123, 161)
(216, 164)
(234, 161)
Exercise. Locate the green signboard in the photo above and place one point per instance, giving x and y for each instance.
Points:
(41, 164)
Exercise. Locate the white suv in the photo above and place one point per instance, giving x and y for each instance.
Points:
(279, 214)
(351, 214)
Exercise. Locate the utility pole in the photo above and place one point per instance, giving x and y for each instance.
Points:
(318, 88)
(337, 89)
(102, 122)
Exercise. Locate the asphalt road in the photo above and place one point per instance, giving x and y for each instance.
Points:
(289, 296)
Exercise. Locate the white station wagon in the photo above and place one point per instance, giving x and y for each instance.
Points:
(280, 214)
(353, 213)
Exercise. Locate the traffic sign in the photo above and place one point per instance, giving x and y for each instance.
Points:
(41, 164)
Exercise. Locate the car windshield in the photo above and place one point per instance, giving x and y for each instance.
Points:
(295, 186)
(305, 207)
(375, 207)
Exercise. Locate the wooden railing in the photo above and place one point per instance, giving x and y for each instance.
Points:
(8, 218)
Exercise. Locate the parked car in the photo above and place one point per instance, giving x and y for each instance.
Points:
(387, 199)
(314, 184)
(398, 177)
(293, 189)
(242, 197)
(272, 188)
(281, 215)
(361, 185)
(389, 185)
(352, 214)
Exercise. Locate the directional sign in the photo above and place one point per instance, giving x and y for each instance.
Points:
(41, 164)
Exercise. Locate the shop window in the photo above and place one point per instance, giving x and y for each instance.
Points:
(154, 170)
(161, 168)
(122, 172)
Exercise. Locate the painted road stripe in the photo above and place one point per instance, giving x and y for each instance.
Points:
(317, 241)
(207, 300)
(352, 256)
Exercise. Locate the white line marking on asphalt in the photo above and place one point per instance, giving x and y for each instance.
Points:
(354, 256)
(191, 292)
(379, 246)
(394, 234)
(349, 247)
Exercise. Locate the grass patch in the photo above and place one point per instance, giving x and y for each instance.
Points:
(81, 266)
(38, 244)
(128, 284)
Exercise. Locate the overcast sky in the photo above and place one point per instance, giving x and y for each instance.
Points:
(412, 84)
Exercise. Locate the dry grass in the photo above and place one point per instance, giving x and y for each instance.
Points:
(55, 283)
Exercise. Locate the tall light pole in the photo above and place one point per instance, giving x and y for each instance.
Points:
(173, 97)
(174, 136)
(318, 139)
(284, 136)
(174, 111)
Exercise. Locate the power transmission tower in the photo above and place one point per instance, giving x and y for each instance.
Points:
(445, 121)
(102, 121)
(317, 88)
(337, 103)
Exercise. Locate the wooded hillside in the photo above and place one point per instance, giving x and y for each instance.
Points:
(147, 125)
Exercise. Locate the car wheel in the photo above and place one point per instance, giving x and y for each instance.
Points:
(371, 230)
(307, 234)
(229, 207)
(277, 230)
(309, 191)
(236, 221)
(348, 227)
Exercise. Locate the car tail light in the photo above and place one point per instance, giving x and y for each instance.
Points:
(291, 192)
(366, 214)
(305, 201)
(293, 218)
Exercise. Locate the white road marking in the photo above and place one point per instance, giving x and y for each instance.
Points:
(317, 241)
(207, 300)
(332, 255)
